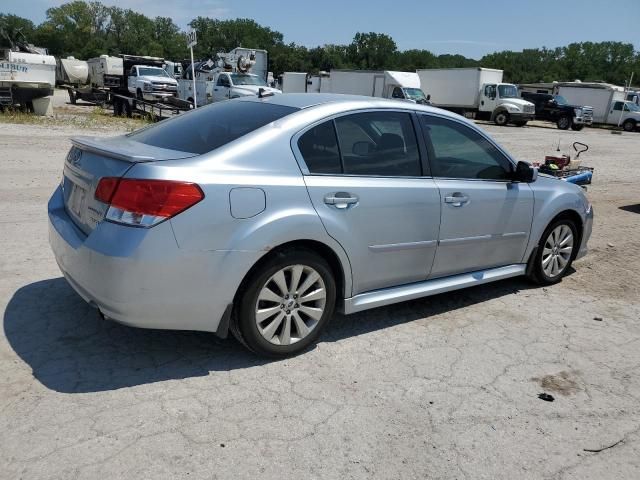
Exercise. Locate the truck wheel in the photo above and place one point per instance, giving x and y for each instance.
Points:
(72, 97)
(520, 123)
(501, 118)
(629, 125)
(564, 123)
(576, 128)
(127, 109)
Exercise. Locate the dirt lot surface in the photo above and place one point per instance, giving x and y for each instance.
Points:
(445, 387)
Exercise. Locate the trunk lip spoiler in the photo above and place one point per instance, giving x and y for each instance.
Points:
(103, 146)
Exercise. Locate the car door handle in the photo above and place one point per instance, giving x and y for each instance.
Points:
(457, 199)
(341, 200)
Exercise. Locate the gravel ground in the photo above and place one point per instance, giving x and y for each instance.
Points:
(444, 387)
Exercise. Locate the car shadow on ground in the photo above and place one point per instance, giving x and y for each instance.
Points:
(70, 349)
(631, 208)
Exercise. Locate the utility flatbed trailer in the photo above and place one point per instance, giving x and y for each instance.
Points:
(86, 93)
(124, 105)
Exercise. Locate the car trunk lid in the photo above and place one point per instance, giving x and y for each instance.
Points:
(92, 158)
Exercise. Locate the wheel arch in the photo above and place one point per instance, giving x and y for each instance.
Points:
(341, 272)
(569, 214)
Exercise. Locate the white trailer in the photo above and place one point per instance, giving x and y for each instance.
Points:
(382, 84)
(294, 82)
(106, 72)
(479, 92)
(71, 71)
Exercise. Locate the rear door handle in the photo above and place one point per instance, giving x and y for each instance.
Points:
(457, 199)
(341, 200)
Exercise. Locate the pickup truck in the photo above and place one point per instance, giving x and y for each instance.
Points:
(554, 108)
(151, 83)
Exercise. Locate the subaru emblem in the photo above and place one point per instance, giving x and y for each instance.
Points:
(74, 156)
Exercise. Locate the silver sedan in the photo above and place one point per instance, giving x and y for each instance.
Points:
(261, 216)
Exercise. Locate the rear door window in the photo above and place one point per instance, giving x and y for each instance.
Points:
(378, 143)
(319, 148)
(211, 127)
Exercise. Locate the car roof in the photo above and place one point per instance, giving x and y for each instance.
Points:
(310, 100)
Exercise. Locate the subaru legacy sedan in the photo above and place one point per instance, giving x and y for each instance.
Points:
(263, 216)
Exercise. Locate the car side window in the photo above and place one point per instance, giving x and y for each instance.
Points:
(223, 81)
(133, 72)
(617, 106)
(378, 143)
(461, 152)
(319, 148)
(397, 93)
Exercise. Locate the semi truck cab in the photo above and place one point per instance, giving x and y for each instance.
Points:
(502, 102)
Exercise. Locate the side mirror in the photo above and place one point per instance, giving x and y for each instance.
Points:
(362, 148)
(429, 97)
(525, 173)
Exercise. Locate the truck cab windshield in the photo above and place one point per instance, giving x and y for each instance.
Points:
(560, 100)
(152, 72)
(243, 79)
(507, 91)
(415, 94)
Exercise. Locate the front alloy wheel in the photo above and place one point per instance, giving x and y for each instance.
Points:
(557, 251)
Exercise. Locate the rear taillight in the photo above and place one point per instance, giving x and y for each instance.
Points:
(144, 203)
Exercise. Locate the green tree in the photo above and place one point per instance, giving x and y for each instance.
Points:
(372, 51)
(15, 28)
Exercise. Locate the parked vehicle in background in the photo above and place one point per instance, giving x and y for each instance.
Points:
(476, 92)
(151, 83)
(173, 69)
(609, 103)
(554, 108)
(262, 215)
(380, 84)
(71, 71)
(239, 73)
(106, 72)
(27, 77)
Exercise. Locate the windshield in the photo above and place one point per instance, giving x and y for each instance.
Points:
(633, 107)
(560, 100)
(507, 91)
(244, 79)
(415, 94)
(152, 72)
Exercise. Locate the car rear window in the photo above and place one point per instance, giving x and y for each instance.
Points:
(210, 127)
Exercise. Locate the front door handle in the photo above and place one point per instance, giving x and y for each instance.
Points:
(341, 200)
(457, 199)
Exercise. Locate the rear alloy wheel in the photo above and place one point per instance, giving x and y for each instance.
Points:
(564, 123)
(555, 252)
(501, 118)
(285, 307)
(629, 126)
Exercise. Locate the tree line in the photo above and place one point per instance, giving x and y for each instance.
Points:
(88, 29)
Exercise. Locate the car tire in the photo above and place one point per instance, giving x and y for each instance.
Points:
(501, 118)
(563, 123)
(629, 125)
(555, 253)
(576, 128)
(272, 317)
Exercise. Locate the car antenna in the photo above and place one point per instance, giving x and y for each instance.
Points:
(262, 93)
(558, 149)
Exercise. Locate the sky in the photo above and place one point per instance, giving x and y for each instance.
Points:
(472, 28)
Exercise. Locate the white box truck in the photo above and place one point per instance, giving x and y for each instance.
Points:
(608, 101)
(476, 91)
(382, 84)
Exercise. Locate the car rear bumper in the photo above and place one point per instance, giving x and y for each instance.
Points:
(140, 277)
(586, 233)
